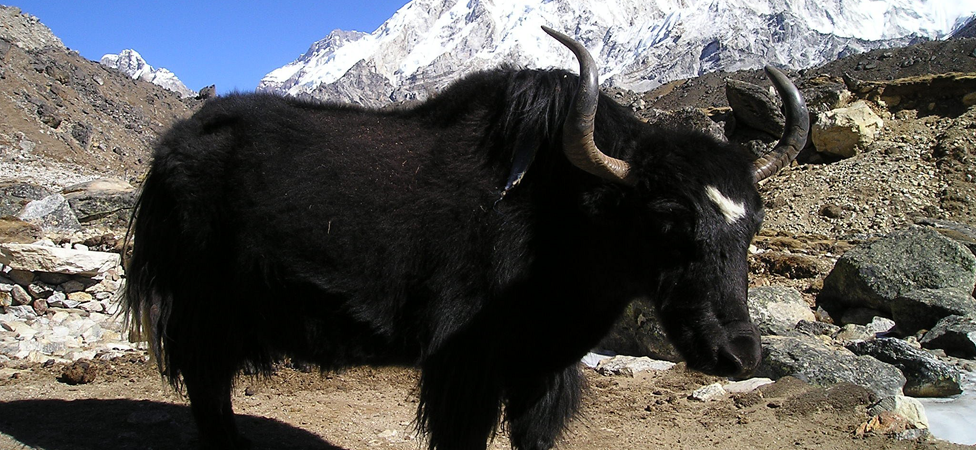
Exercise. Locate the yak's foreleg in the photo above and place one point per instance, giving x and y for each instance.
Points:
(460, 399)
(209, 391)
(538, 408)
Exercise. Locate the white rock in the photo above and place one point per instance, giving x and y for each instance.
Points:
(39, 258)
(744, 386)
(630, 365)
(907, 407)
(706, 393)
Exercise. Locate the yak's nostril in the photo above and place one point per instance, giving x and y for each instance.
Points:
(727, 363)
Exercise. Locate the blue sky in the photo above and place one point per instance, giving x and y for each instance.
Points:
(232, 44)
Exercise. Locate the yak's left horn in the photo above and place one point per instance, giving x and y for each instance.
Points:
(797, 127)
(578, 143)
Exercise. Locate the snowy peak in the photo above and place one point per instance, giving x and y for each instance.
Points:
(638, 43)
(131, 63)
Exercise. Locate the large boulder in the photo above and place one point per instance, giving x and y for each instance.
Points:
(873, 275)
(954, 334)
(41, 258)
(14, 195)
(51, 213)
(106, 201)
(923, 308)
(813, 361)
(755, 107)
(638, 332)
(843, 131)
(926, 376)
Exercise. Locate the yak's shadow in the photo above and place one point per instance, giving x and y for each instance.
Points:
(129, 424)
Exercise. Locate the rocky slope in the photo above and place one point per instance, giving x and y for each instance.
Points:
(59, 110)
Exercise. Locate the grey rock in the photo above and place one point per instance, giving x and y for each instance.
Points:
(853, 332)
(638, 332)
(22, 277)
(710, 392)
(52, 214)
(815, 328)
(925, 375)
(874, 274)
(755, 107)
(923, 308)
(810, 360)
(776, 310)
(15, 194)
(954, 334)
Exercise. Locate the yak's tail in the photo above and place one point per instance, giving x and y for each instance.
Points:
(150, 278)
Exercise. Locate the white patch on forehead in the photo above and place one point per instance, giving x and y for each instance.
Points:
(729, 208)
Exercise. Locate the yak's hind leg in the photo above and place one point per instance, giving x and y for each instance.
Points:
(538, 408)
(209, 391)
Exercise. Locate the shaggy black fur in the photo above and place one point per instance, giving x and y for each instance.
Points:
(270, 227)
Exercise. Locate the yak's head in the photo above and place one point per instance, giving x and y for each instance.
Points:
(698, 211)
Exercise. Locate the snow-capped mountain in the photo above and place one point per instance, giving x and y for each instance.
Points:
(640, 44)
(131, 63)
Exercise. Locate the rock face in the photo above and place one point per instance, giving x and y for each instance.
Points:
(875, 274)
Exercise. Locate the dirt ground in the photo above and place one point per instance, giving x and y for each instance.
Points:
(128, 406)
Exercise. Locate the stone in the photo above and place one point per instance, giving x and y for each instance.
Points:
(925, 375)
(21, 277)
(40, 258)
(80, 372)
(907, 407)
(23, 312)
(18, 231)
(816, 328)
(80, 297)
(954, 334)
(52, 214)
(923, 308)
(810, 360)
(755, 107)
(746, 386)
(40, 289)
(15, 194)
(843, 131)
(638, 332)
(106, 201)
(872, 275)
(776, 310)
(630, 365)
(6, 299)
(40, 306)
(710, 392)
(20, 295)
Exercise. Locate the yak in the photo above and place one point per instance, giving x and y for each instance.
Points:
(504, 223)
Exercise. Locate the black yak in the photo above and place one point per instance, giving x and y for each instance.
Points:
(504, 223)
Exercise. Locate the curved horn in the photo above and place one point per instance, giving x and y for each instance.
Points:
(795, 134)
(578, 143)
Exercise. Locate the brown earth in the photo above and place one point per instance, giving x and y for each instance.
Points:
(128, 406)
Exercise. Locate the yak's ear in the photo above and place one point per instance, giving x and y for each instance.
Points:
(526, 147)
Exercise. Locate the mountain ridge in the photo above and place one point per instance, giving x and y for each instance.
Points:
(640, 45)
